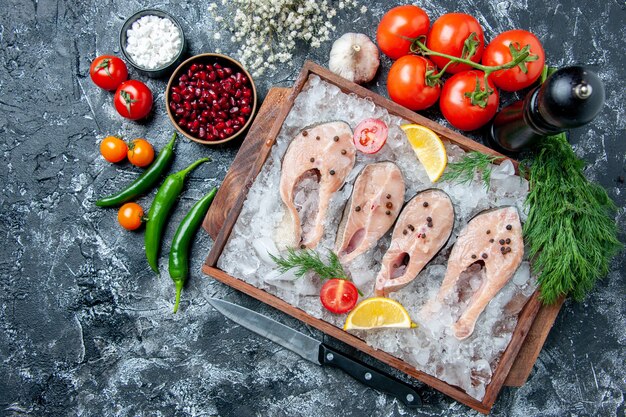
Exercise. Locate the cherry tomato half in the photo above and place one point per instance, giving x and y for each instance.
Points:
(339, 295)
(406, 83)
(133, 100)
(498, 52)
(140, 153)
(457, 107)
(397, 24)
(108, 72)
(370, 135)
(113, 149)
(448, 35)
(130, 216)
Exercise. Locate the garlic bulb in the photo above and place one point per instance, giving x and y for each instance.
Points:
(354, 57)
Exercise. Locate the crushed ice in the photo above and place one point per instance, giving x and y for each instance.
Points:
(432, 348)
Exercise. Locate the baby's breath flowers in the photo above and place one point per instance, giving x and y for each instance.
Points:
(268, 30)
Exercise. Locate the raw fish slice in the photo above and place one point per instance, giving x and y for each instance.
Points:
(415, 240)
(314, 167)
(376, 201)
(493, 239)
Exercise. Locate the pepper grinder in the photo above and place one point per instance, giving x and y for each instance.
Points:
(569, 98)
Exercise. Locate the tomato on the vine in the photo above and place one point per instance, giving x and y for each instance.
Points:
(108, 72)
(339, 295)
(130, 216)
(450, 35)
(140, 153)
(407, 84)
(133, 100)
(504, 48)
(399, 25)
(465, 103)
(113, 149)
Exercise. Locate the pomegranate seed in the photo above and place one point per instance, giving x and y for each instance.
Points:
(220, 126)
(222, 135)
(209, 67)
(231, 100)
(220, 73)
(176, 97)
(187, 105)
(247, 92)
(228, 71)
(222, 115)
(241, 120)
(202, 133)
(229, 131)
(238, 93)
(236, 128)
(223, 103)
(180, 111)
(246, 110)
(211, 76)
(234, 110)
(217, 66)
(194, 67)
(244, 102)
(228, 123)
(206, 113)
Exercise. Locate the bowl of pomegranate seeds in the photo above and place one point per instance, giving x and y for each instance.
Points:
(211, 98)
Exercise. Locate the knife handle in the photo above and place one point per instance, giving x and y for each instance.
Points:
(370, 377)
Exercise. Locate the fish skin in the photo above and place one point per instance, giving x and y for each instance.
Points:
(371, 221)
(327, 156)
(420, 250)
(499, 268)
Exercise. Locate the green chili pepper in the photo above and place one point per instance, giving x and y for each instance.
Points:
(160, 209)
(146, 181)
(179, 251)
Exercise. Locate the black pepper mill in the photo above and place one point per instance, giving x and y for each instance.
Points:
(569, 98)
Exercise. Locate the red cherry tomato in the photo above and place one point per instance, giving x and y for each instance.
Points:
(108, 72)
(457, 107)
(498, 52)
(133, 100)
(370, 135)
(338, 295)
(448, 35)
(406, 83)
(397, 24)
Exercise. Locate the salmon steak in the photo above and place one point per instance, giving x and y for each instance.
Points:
(493, 240)
(423, 228)
(376, 200)
(314, 167)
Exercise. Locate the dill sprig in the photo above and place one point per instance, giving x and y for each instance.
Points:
(463, 170)
(571, 231)
(306, 260)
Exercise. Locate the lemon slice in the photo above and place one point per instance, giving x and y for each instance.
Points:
(377, 312)
(428, 148)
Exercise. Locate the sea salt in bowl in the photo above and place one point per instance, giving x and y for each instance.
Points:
(144, 45)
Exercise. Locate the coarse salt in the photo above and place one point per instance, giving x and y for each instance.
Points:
(153, 42)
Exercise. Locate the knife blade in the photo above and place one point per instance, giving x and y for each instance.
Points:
(315, 351)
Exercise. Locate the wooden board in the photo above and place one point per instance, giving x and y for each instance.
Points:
(228, 203)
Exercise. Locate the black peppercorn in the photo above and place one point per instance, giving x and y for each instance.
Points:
(317, 138)
(425, 204)
(429, 219)
(508, 241)
(509, 227)
(501, 241)
(488, 231)
(305, 133)
(411, 228)
(387, 212)
(388, 196)
(484, 256)
(336, 138)
(357, 208)
(404, 232)
(332, 172)
(473, 256)
(312, 159)
(343, 152)
(389, 205)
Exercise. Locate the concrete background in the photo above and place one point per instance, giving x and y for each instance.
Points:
(87, 328)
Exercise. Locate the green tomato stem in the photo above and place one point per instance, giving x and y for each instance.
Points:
(487, 69)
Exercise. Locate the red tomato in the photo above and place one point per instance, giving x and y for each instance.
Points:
(499, 52)
(457, 107)
(133, 100)
(448, 36)
(370, 135)
(399, 23)
(338, 295)
(406, 83)
(108, 72)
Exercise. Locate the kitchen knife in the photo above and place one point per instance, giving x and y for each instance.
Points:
(316, 352)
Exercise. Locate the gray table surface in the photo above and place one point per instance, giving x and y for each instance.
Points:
(87, 328)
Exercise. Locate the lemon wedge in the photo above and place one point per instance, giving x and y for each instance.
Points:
(428, 148)
(377, 312)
